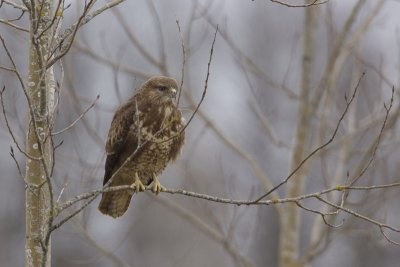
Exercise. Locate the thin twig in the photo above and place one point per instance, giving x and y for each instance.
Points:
(134, 40)
(183, 61)
(211, 232)
(57, 13)
(15, 5)
(7, 69)
(160, 36)
(61, 192)
(387, 110)
(314, 3)
(318, 148)
(359, 215)
(60, 223)
(322, 214)
(252, 162)
(201, 99)
(100, 58)
(77, 119)
(11, 131)
(64, 49)
(17, 18)
(6, 22)
(16, 162)
(387, 237)
(205, 84)
(104, 252)
(245, 59)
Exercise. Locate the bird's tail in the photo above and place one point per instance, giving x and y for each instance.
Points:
(115, 204)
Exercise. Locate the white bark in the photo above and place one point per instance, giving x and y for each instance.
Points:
(40, 96)
(289, 243)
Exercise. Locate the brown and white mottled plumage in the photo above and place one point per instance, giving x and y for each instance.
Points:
(145, 135)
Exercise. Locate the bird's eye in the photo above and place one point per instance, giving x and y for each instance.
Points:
(162, 88)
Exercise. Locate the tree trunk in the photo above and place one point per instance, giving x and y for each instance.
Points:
(40, 95)
(289, 239)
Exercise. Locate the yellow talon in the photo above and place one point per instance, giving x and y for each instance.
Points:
(137, 185)
(157, 187)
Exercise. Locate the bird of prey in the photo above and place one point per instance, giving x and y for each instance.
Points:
(146, 134)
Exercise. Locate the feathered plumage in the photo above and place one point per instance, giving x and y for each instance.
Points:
(145, 135)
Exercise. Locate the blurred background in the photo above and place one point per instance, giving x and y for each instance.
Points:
(279, 81)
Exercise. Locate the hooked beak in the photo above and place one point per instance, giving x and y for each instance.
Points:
(173, 92)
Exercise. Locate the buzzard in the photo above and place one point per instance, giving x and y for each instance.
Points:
(146, 134)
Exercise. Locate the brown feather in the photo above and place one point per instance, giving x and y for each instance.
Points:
(147, 129)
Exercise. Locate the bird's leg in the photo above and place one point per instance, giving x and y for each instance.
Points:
(137, 185)
(156, 186)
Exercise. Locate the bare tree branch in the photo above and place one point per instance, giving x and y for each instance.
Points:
(77, 119)
(11, 132)
(312, 3)
(68, 36)
(360, 216)
(6, 22)
(205, 82)
(238, 202)
(376, 144)
(207, 230)
(15, 5)
(318, 148)
(183, 62)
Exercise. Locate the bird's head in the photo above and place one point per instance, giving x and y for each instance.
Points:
(161, 89)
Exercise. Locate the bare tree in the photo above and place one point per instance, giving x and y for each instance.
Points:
(311, 137)
(47, 45)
